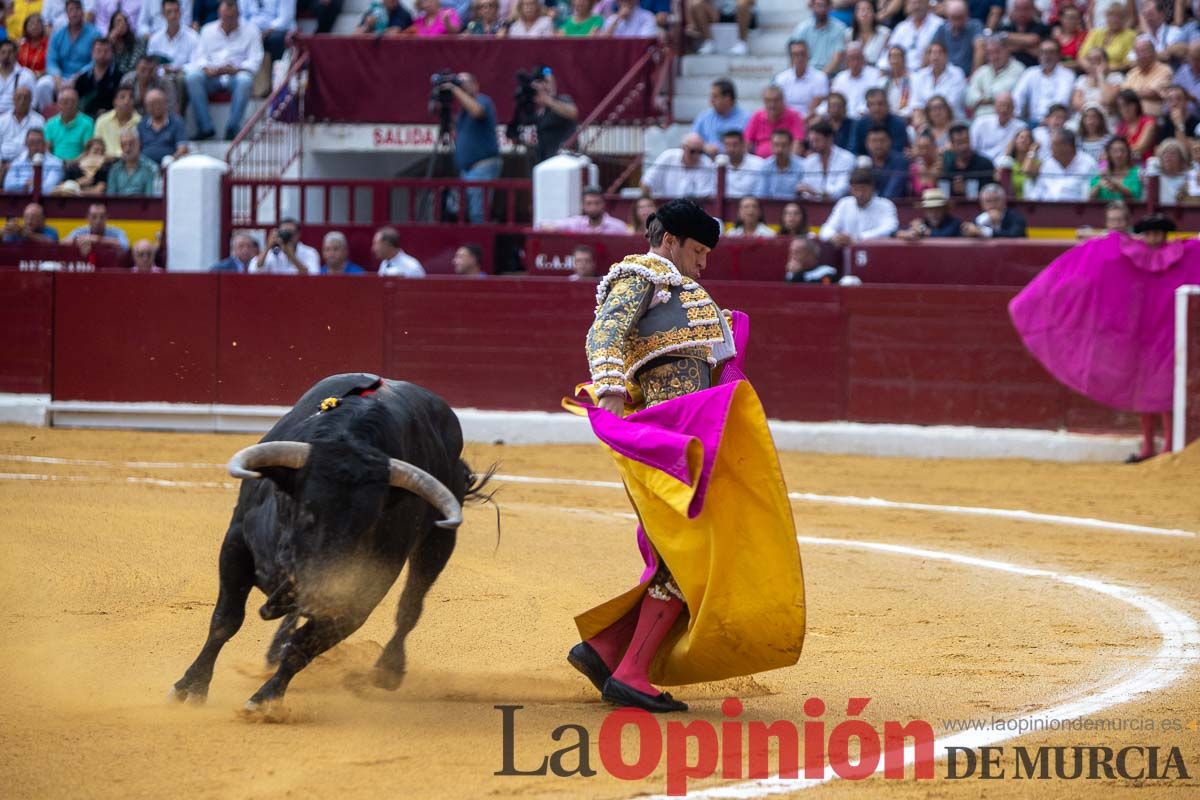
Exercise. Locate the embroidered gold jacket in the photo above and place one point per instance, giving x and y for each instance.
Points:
(646, 309)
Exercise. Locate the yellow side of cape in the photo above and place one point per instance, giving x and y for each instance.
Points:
(737, 563)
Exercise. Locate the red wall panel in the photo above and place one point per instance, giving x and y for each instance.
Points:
(27, 330)
(279, 334)
(127, 337)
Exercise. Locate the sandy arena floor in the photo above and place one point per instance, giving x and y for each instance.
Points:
(108, 575)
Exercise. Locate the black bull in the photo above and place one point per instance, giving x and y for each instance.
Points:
(359, 477)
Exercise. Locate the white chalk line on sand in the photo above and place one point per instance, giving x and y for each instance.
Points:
(85, 462)
(33, 476)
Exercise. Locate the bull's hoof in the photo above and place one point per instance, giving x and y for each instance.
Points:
(386, 678)
(266, 711)
(193, 695)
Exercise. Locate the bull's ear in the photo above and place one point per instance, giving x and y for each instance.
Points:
(284, 478)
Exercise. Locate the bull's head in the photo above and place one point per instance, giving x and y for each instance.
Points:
(402, 475)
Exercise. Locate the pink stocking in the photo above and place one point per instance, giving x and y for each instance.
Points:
(1148, 421)
(611, 642)
(1167, 420)
(653, 624)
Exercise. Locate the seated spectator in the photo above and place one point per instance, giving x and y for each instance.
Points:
(144, 252)
(1176, 120)
(126, 46)
(68, 130)
(393, 261)
(937, 119)
(898, 85)
(774, 115)
(804, 263)
(1135, 125)
(31, 227)
(827, 167)
(242, 250)
(803, 86)
(1070, 34)
(1115, 38)
(965, 169)
(1119, 178)
(861, 216)
(914, 35)
(583, 263)
(581, 22)
(999, 74)
(35, 42)
(793, 221)
(153, 18)
(641, 210)
(530, 21)
(1148, 77)
(825, 36)
(683, 171)
(661, 9)
(227, 57)
(936, 223)
(286, 254)
(702, 14)
(275, 21)
(866, 31)
(594, 219)
(782, 173)
(1043, 86)
(88, 174)
(1025, 32)
(992, 133)
(889, 167)
(97, 231)
(1117, 217)
(750, 219)
(630, 20)
(742, 169)
(1173, 173)
(996, 220)
(1187, 76)
(336, 253)
(1066, 175)
(133, 173)
(856, 80)
(432, 20)
(939, 79)
(879, 115)
(1168, 40)
(961, 37)
(162, 133)
(389, 16)
(111, 124)
(835, 115)
(1054, 121)
(925, 172)
(1097, 85)
(1093, 131)
(204, 12)
(17, 122)
(145, 77)
(68, 54)
(1024, 162)
(468, 261)
(12, 75)
(723, 115)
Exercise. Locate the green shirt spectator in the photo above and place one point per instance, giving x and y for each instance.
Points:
(68, 131)
(585, 27)
(139, 181)
(1132, 181)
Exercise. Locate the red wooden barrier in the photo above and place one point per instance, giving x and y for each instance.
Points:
(67, 256)
(27, 329)
(954, 263)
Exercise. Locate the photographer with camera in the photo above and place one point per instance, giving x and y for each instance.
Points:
(286, 254)
(476, 151)
(554, 117)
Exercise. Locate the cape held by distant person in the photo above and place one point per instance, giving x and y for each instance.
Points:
(1100, 318)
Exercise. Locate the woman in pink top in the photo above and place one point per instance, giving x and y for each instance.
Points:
(433, 20)
(530, 21)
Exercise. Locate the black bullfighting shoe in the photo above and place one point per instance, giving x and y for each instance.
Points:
(584, 658)
(622, 694)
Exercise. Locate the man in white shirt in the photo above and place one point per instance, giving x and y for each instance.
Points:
(173, 40)
(939, 78)
(394, 262)
(862, 215)
(999, 74)
(1168, 39)
(743, 168)
(594, 219)
(803, 87)
(684, 171)
(1047, 84)
(227, 56)
(914, 34)
(1067, 174)
(856, 80)
(16, 123)
(12, 75)
(286, 254)
(152, 18)
(827, 168)
(991, 133)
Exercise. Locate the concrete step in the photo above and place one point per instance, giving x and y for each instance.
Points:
(712, 67)
(747, 88)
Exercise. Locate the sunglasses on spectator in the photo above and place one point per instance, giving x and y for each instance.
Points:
(693, 151)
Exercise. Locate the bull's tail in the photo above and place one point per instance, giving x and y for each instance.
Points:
(477, 489)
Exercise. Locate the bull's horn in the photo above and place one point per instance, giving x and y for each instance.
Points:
(268, 454)
(429, 488)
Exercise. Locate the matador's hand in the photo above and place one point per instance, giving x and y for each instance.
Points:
(613, 403)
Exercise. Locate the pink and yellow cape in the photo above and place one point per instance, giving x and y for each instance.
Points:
(704, 478)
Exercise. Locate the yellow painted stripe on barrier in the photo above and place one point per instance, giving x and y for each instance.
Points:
(134, 228)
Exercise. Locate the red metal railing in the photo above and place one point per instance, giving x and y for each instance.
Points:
(273, 139)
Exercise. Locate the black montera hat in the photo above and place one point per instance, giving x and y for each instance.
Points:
(1155, 222)
(686, 220)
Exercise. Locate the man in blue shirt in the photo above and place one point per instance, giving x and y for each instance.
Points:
(879, 115)
(783, 171)
(162, 133)
(335, 251)
(68, 54)
(725, 115)
(242, 250)
(476, 151)
(19, 178)
(889, 167)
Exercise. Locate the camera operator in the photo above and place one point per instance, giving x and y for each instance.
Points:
(476, 151)
(555, 116)
(286, 254)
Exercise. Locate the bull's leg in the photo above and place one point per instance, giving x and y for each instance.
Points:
(237, 578)
(286, 629)
(308, 641)
(424, 567)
